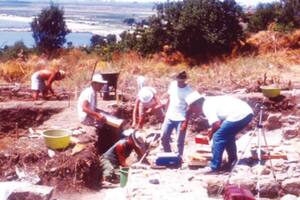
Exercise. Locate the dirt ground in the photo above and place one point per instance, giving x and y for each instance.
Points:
(24, 156)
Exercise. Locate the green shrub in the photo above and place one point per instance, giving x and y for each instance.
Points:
(285, 14)
(263, 16)
(11, 52)
(191, 26)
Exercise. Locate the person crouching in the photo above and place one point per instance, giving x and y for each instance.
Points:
(41, 81)
(146, 103)
(116, 156)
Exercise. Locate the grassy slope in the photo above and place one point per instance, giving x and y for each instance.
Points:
(227, 74)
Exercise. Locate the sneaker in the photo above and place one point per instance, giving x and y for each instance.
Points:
(209, 171)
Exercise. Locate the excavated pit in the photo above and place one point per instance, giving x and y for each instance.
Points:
(27, 158)
(13, 120)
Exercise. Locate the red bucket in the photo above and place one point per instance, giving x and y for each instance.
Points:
(201, 139)
(235, 192)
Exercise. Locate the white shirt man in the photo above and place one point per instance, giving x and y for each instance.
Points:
(225, 108)
(227, 116)
(176, 116)
(87, 106)
(89, 95)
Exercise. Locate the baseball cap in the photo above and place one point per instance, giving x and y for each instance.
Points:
(182, 75)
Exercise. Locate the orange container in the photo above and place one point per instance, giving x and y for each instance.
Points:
(201, 139)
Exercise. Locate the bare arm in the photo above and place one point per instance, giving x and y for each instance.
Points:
(50, 81)
(135, 112)
(87, 109)
(214, 128)
(185, 122)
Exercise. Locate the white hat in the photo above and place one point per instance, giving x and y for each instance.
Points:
(192, 97)
(146, 94)
(62, 72)
(128, 132)
(98, 78)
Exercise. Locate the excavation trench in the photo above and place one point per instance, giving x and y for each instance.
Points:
(27, 158)
(14, 120)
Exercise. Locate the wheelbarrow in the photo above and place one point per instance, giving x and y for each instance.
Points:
(111, 86)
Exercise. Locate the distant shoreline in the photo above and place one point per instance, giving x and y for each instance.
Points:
(10, 37)
(83, 18)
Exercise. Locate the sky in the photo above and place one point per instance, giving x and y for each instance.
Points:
(253, 2)
(241, 2)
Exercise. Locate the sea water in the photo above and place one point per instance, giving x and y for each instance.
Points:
(83, 18)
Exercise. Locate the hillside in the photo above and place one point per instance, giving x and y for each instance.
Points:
(259, 61)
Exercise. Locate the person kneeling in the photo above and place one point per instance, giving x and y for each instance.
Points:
(116, 156)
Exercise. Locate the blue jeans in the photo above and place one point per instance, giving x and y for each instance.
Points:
(224, 139)
(167, 129)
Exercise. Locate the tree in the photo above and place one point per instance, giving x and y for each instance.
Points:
(49, 28)
(191, 26)
(97, 40)
(11, 52)
(111, 39)
(265, 14)
(285, 14)
(207, 27)
(290, 14)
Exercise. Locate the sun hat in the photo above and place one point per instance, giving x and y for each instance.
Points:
(98, 79)
(146, 94)
(193, 97)
(128, 132)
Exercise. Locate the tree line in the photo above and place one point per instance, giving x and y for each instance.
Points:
(193, 27)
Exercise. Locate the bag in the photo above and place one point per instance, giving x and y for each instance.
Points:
(235, 192)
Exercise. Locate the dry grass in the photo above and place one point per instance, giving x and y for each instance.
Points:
(226, 75)
(272, 41)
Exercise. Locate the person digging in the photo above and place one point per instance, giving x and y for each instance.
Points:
(41, 81)
(227, 116)
(116, 156)
(147, 103)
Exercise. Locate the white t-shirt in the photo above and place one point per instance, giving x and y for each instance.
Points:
(225, 108)
(89, 95)
(177, 105)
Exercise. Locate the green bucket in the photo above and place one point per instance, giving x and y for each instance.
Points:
(124, 176)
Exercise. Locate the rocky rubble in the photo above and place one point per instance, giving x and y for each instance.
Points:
(24, 191)
(277, 180)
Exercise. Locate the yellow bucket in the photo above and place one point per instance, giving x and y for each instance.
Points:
(57, 138)
(270, 92)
